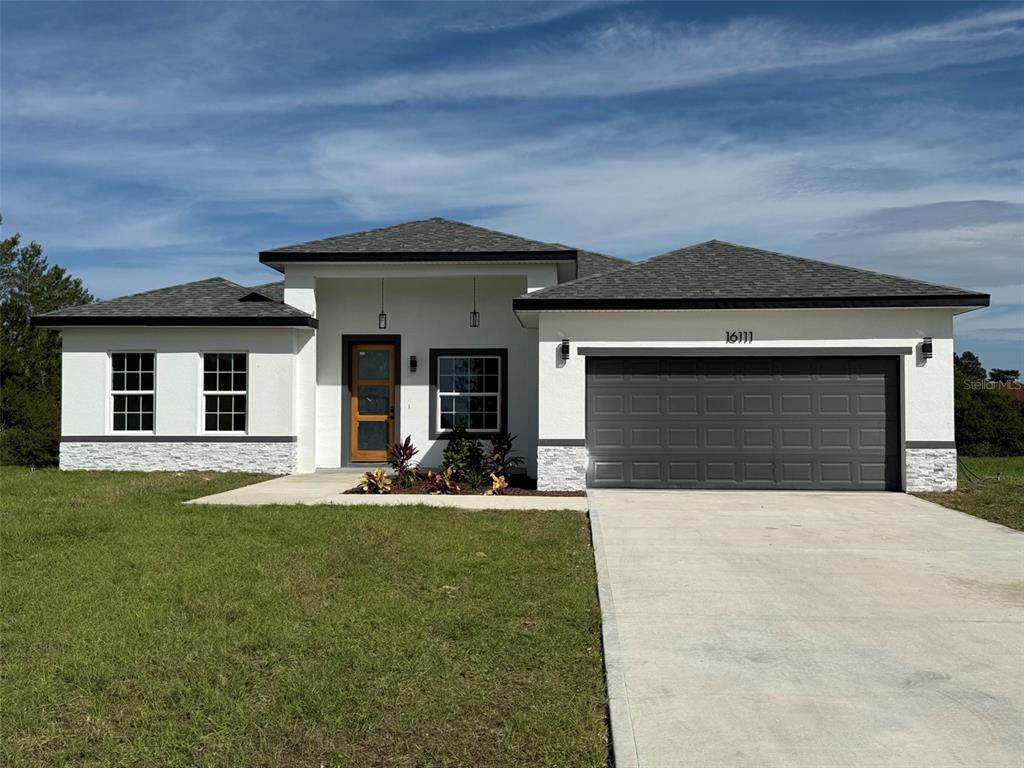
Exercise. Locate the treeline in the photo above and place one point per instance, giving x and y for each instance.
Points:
(30, 357)
(988, 408)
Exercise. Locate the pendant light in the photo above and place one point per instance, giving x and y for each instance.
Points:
(474, 316)
(382, 318)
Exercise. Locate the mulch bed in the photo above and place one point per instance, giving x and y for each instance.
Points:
(518, 486)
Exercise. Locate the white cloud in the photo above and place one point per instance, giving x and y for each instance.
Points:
(630, 55)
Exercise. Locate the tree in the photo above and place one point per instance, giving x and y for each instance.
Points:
(988, 421)
(1003, 375)
(969, 366)
(30, 357)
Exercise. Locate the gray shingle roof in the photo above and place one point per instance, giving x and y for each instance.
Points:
(273, 290)
(718, 274)
(592, 263)
(215, 301)
(429, 236)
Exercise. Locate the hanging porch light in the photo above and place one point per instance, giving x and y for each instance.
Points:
(474, 316)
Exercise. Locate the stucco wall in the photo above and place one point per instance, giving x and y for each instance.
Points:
(86, 400)
(927, 386)
(427, 312)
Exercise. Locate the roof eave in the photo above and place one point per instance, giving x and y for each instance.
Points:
(45, 321)
(825, 302)
(271, 258)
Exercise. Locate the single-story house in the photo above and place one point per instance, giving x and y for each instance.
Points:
(711, 366)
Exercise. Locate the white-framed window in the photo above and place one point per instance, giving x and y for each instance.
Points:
(469, 392)
(132, 391)
(225, 391)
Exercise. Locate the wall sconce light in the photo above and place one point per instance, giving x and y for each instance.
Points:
(382, 318)
(412, 363)
(474, 316)
(926, 348)
(565, 350)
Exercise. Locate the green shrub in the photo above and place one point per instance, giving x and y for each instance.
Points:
(464, 457)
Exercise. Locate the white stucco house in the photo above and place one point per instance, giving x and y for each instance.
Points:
(713, 366)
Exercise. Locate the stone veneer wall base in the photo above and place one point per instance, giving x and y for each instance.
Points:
(931, 469)
(561, 468)
(277, 458)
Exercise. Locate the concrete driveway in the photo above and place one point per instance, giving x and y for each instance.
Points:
(809, 629)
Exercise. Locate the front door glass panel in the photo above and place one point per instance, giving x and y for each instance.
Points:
(372, 390)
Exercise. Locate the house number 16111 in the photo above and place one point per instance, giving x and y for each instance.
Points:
(739, 337)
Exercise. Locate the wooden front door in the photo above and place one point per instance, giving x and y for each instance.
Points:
(372, 388)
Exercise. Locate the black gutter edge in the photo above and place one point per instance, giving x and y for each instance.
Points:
(44, 321)
(742, 351)
(976, 300)
(415, 256)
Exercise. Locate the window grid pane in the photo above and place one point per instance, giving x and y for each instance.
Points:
(132, 380)
(225, 385)
(468, 390)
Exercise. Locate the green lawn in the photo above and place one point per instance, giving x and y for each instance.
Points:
(137, 631)
(998, 496)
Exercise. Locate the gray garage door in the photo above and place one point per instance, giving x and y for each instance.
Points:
(751, 422)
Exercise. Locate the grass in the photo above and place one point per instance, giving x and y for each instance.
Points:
(998, 496)
(137, 631)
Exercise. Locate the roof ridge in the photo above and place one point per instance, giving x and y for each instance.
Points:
(493, 231)
(718, 271)
(806, 260)
(146, 293)
(360, 232)
(422, 235)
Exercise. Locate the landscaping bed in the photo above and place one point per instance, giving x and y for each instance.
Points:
(471, 468)
(141, 631)
(518, 486)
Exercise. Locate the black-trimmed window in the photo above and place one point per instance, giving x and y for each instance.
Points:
(225, 391)
(131, 387)
(468, 389)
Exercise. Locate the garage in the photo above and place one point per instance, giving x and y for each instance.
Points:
(793, 422)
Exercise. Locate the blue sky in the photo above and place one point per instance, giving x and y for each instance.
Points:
(153, 143)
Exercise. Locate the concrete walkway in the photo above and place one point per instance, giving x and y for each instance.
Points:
(809, 629)
(330, 487)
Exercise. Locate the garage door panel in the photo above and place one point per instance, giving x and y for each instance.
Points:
(719, 405)
(683, 471)
(720, 437)
(608, 437)
(645, 404)
(681, 405)
(793, 471)
(758, 438)
(758, 471)
(649, 437)
(835, 437)
(682, 437)
(871, 404)
(608, 471)
(609, 405)
(871, 437)
(834, 403)
(720, 471)
(757, 405)
(744, 423)
(795, 437)
(795, 404)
